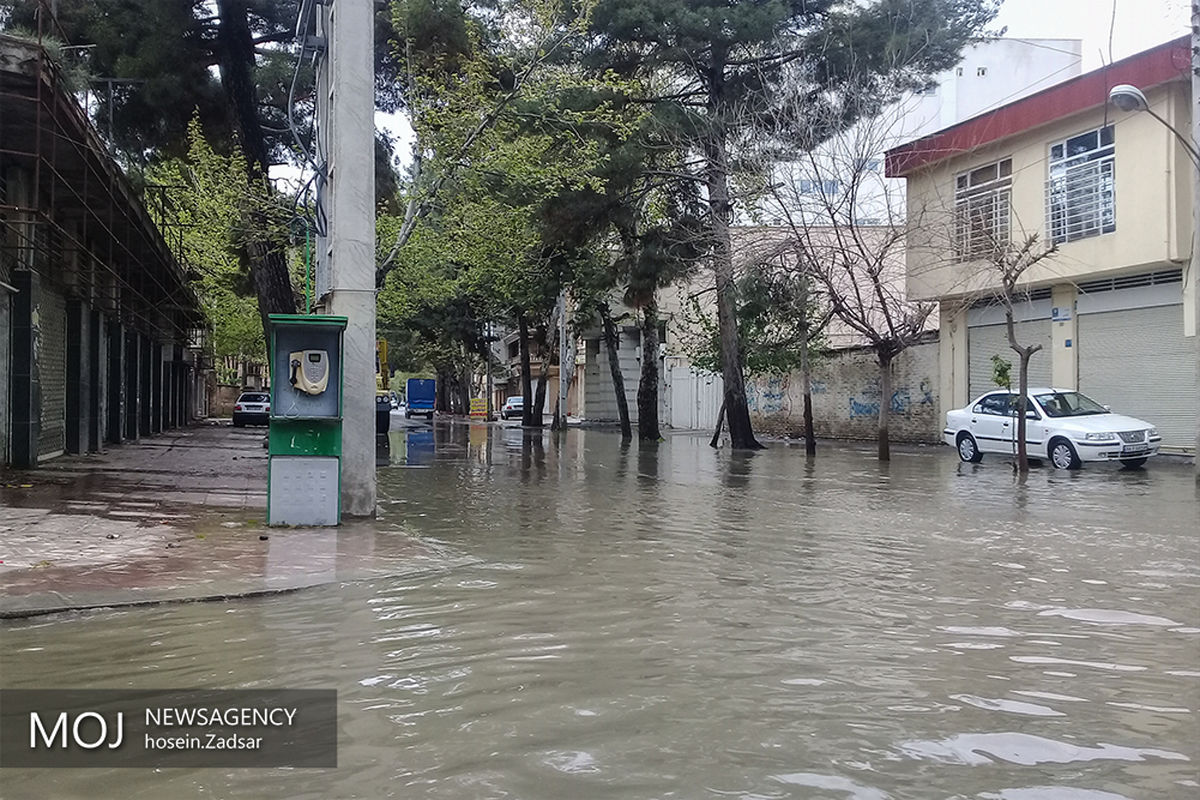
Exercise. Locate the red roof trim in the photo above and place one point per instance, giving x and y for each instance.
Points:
(1166, 62)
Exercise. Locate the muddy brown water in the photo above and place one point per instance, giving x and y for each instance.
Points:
(678, 622)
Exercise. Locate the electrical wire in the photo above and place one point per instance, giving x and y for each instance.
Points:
(313, 157)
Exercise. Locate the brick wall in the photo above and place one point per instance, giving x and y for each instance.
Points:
(845, 396)
(221, 398)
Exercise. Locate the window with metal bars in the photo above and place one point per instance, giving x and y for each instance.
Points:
(1080, 192)
(982, 207)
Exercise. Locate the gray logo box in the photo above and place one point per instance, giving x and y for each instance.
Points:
(168, 728)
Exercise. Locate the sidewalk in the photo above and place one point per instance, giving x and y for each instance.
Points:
(180, 516)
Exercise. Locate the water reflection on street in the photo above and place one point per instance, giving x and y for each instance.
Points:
(668, 620)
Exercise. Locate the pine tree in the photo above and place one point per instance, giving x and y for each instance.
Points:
(719, 64)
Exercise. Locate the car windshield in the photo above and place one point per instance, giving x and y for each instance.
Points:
(517, 401)
(1069, 404)
(251, 398)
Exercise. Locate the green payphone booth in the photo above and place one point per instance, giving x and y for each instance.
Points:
(305, 439)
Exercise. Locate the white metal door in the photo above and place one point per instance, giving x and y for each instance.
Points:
(695, 398)
(984, 341)
(1138, 362)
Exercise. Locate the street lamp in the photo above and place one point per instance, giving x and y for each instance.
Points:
(1130, 98)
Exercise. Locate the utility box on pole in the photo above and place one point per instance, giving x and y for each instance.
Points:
(304, 445)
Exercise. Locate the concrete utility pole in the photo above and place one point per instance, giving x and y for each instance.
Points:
(488, 360)
(566, 359)
(349, 138)
(1194, 263)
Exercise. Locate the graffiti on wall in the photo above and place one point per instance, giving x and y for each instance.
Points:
(766, 395)
(859, 408)
(866, 404)
(926, 393)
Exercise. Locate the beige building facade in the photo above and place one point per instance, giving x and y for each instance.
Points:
(1111, 191)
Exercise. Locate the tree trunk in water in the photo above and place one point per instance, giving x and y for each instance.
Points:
(268, 262)
(539, 398)
(614, 368)
(566, 363)
(885, 406)
(464, 387)
(526, 376)
(1021, 466)
(647, 394)
(716, 437)
(741, 433)
(810, 436)
(440, 403)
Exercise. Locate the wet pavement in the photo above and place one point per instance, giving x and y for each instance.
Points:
(179, 516)
(596, 620)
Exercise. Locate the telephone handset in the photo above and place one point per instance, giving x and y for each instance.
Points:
(310, 370)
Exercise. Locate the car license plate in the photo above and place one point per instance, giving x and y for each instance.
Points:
(1135, 451)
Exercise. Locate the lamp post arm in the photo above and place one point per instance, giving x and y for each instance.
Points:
(1187, 143)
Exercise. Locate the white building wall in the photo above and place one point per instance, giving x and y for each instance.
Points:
(599, 399)
(991, 74)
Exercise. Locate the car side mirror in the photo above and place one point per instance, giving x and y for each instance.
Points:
(1108, 408)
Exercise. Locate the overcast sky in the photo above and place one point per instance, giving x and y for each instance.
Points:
(1139, 24)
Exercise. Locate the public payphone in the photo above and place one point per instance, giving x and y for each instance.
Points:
(310, 370)
(305, 440)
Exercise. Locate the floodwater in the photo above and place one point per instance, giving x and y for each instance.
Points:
(679, 622)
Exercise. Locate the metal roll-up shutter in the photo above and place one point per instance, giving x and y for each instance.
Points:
(52, 372)
(1138, 362)
(984, 341)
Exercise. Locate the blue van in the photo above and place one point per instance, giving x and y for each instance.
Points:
(421, 395)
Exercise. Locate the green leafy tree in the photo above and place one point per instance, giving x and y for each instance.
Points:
(213, 209)
(640, 229)
(781, 324)
(720, 67)
(491, 96)
(503, 124)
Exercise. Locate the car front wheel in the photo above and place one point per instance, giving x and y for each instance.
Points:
(968, 449)
(1063, 455)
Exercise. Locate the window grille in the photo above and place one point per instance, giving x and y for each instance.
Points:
(1080, 192)
(982, 205)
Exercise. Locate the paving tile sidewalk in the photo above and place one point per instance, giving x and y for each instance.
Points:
(180, 516)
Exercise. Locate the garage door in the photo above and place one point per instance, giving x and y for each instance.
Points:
(52, 372)
(984, 341)
(1138, 362)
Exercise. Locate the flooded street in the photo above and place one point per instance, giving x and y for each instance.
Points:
(675, 621)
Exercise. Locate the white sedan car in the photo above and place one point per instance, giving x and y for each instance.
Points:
(1063, 425)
